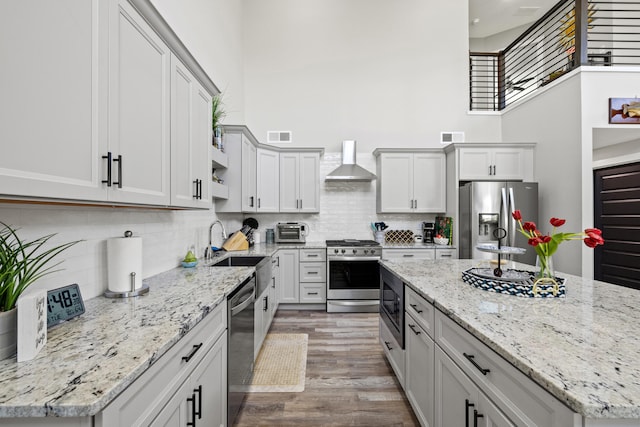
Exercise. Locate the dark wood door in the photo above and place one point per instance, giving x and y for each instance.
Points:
(617, 214)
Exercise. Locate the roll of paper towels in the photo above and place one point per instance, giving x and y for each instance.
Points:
(124, 259)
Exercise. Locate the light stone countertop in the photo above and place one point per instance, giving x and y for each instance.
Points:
(89, 360)
(584, 349)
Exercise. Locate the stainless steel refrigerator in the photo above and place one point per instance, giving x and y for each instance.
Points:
(486, 206)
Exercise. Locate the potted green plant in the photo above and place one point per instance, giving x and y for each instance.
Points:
(21, 263)
(218, 114)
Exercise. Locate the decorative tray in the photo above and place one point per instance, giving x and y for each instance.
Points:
(500, 250)
(520, 283)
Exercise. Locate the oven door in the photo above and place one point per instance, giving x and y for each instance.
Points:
(392, 304)
(356, 278)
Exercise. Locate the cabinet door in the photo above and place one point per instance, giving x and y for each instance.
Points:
(139, 113)
(52, 134)
(489, 415)
(190, 136)
(309, 182)
(268, 190)
(249, 201)
(260, 308)
(396, 183)
(454, 392)
(209, 385)
(476, 163)
(429, 182)
(419, 369)
(508, 163)
(178, 411)
(289, 183)
(289, 276)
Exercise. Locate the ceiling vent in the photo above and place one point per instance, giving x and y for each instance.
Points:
(349, 170)
(449, 137)
(278, 137)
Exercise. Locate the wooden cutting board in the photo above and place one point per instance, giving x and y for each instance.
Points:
(236, 242)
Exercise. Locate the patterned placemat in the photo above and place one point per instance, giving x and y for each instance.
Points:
(281, 364)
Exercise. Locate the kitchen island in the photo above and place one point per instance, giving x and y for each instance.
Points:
(582, 349)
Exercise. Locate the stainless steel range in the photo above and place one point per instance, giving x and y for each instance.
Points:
(353, 276)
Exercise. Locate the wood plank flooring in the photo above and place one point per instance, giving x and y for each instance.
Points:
(348, 381)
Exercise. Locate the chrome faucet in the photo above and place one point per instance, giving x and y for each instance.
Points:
(208, 253)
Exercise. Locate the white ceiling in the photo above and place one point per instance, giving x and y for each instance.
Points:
(496, 16)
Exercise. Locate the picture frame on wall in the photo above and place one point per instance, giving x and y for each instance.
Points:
(624, 110)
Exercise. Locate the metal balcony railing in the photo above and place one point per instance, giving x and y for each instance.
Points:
(573, 33)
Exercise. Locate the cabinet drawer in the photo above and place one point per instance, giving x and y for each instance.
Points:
(408, 253)
(522, 400)
(313, 292)
(393, 351)
(420, 309)
(313, 255)
(313, 272)
(139, 403)
(446, 254)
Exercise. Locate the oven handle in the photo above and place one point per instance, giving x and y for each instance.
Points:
(353, 258)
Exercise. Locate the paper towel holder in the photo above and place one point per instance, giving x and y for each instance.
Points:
(133, 292)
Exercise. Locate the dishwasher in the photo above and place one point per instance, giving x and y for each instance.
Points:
(240, 361)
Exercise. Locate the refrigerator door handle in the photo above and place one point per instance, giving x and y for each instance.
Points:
(512, 227)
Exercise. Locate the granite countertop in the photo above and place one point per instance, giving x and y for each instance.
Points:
(89, 360)
(582, 348)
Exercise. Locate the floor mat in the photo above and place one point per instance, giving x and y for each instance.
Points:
(281, 364)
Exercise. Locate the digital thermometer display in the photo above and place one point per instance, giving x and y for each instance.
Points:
(63, 304)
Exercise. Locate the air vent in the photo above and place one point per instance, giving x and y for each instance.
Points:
(449, 137)
(279, 136)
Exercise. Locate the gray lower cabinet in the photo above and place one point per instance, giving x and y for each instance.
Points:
(458, 402)
(453, 379)
(419, 379)
(395, 354)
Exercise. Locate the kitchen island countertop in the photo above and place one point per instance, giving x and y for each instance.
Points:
(583, 348)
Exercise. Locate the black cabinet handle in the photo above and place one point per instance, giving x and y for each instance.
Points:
(199, 411)
(476, 415)
(415, 307)
(273, 282)
(119, 160)
(471, 358)
(199, 189)
(467, 405)
(265, 303)
(192, 399)
(195, 196)
(414, 329)
(388, 346)
(194, 350)
(109, 159)
(312, 293)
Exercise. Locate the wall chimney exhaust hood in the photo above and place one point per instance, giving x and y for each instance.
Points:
(349, 170)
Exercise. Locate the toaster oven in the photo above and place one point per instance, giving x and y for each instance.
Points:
(291, 232)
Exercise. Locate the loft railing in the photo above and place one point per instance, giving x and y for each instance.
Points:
(573, 33)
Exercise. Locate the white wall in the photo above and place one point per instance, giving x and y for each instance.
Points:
(384, 73)
(212, 31)
(552, 118)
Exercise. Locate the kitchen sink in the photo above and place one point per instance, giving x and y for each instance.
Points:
(240, 261)
(261, 263)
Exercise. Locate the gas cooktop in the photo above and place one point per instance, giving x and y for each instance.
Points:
(352, 242)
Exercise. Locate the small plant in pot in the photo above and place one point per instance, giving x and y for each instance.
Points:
(21, 264)
(217, 114)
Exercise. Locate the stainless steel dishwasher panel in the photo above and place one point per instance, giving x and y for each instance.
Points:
(241, 304)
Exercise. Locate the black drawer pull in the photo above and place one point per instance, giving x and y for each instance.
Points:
(415, 307)
(192, 399)
(312, 272)
(471, 358)
(388, 346)
(312, 255)
(194, 350)
(413, 329)
(312, 293)
(199, 411)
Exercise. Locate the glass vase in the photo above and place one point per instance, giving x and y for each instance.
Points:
(545, 268)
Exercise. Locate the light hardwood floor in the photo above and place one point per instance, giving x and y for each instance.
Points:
(348, 381)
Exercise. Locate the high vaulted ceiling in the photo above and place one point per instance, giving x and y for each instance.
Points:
(489, 17)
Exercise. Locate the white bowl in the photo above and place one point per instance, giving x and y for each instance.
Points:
(441, 240)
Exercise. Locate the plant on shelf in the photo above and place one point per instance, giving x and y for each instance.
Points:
(22, 263)
(218, 113)
(546, 245)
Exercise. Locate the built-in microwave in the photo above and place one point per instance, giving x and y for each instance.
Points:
(291, 232)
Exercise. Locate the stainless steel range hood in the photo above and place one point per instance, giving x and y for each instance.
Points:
(349, 170)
